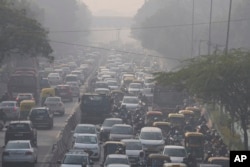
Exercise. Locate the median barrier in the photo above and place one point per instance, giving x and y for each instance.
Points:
(64, 142)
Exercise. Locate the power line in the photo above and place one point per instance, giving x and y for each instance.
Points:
(145, 27)
(108, 49)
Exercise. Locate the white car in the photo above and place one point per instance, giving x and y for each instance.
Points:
(19, 151)
(11, 109)
(148, 92)
(116, 159)
(135, 88)
(88, 142)
(132, 103)
(113, 84)
(176, 153)
(76, 158)
(133, 150)
(121, 131)
(75, 89)
(54, 78)
(85, 128)
(55, 105)
(152, 139)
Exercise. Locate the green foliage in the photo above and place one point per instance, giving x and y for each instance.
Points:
(21, 35)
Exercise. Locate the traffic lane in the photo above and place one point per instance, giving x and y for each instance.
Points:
(47, 138)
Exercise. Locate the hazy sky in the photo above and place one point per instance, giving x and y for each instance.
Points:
(114, 7)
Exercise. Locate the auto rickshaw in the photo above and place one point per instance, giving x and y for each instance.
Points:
(25, 107)
(174, 165)
(46, 92)
(188, 114)
(153, 116)
(196, 110)
(176, 120)
(194, 143)
(113, 147)
(223, 161)
(117, 95)
(155, 160)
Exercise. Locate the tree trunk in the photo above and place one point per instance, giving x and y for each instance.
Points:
(244, 128)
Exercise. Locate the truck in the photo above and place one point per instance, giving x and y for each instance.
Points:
(168, 99)
(94, 107)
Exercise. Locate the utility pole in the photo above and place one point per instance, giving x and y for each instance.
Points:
(210, 25)
(228, 27)
(192, 40)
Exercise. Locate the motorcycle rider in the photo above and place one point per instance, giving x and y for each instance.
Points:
(3, 116)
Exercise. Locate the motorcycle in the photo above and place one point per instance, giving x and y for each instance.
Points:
(1, 124)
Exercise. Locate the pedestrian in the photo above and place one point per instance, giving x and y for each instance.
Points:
(3, 116)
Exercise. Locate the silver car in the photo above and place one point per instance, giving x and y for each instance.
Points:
(11, 109)
(74, 88)
(121, 131)
(55, 105)
(19, 151)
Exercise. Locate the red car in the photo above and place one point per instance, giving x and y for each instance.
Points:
(64, 91)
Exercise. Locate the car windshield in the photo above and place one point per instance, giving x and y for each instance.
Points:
(175, 152)
(53, 99)
(74, 159)
(116, 161)
(131, 100)
(151, 136)
(133, 145)
(17, 145)
(86, 139)
(110, 123)
(85, 129)
(24, 96)
(121, 130)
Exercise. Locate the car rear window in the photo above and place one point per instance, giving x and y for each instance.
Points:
(18, 146)
(19, 127)
(36, 112)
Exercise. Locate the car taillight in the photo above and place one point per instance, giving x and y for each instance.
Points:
(17, 99)
(5, 153)
(28, 153)
(15, 109)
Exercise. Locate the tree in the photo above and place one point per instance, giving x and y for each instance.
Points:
(218, 78)
(20, 35)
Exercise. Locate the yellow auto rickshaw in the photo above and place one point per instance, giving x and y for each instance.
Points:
(188, 114)
(196, 110)
(223, 161)
(25, 107)
(171, 164)
(194, 143)
(153, 116)
(164, 126)
(46, 92)
(113, 147)
(176, 120)
(157, 159)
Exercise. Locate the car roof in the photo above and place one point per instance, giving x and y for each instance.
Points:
(21, 121)
(113, 119)
(150, 129)
(19, 141)
(89, 125)
(121, 125)
(135, 97)
(87, 134)
(76, 152)
(118, 165)
(130, 140)
(117, 156)
(8, 101)
(174, 146)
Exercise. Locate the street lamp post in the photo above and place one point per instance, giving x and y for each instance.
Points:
(210, 24)
(228, 27)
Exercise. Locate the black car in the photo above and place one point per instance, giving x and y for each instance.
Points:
(21, 130)
(42, 116)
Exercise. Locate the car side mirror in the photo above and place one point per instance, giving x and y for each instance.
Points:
(84, 164)
(58, 161)
(91, 162)
(3, 146)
